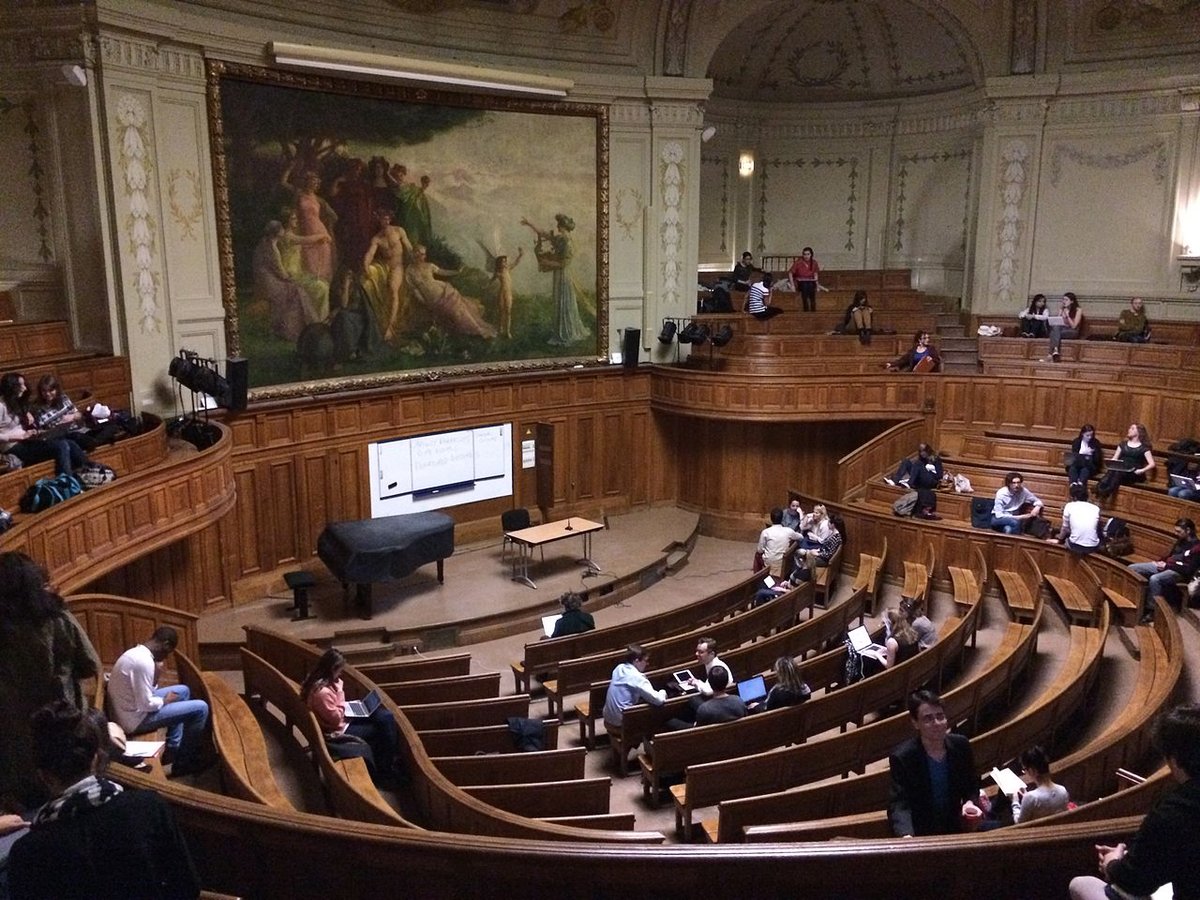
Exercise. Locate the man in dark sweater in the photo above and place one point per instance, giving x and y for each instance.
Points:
(1167, 845)
(721, 706)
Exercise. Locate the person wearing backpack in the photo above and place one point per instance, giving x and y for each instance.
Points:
(1176, 567)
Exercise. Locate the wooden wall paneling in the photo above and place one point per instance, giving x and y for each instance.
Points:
(350, 500)
(563, 461)
(640, 459)
(618, 454)
(249, 511)
(583, 459)
(314, 496)
(286, 525)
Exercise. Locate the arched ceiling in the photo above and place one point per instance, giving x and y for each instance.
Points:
(841, 50)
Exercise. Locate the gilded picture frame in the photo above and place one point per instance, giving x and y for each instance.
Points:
(373, 233)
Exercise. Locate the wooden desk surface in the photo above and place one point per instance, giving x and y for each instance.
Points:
(553, 531)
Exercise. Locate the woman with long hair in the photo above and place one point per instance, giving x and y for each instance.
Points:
(1033, 318)
(20, 436)
(789, 688)
(921, 357)
(44, 656)
(1085, 457)
(1072, 317)
(322, 691)
(1135, 459)
(903, 641)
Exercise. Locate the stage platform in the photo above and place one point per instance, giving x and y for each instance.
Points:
(479, 601)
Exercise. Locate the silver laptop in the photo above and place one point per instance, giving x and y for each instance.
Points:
(752, 689)
(684, 679)
(1055, 321)
(362, 709)
(1183, 481)
(860, 639)
(548, 623)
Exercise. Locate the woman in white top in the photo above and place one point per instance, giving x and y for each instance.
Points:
(1047, 798)
(815, 528)
(1032, 318)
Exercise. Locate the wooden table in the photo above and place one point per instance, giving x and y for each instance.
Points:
(539, 535)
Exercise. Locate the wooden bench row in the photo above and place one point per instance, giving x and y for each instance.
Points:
(347, 783)
(523, 810)
(678, 652)
(544, 656)
(753, 736)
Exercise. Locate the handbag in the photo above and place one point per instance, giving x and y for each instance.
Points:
(759, 565)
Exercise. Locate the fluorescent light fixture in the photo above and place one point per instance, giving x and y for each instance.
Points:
(746, 164)
(708, 133)
(435, 73)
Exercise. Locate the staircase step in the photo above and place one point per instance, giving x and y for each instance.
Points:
(951, 331)
(960, 368)
(957, 343)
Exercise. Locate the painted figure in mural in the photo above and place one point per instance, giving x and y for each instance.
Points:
(441, 301)
(413, 212)
(291, 306)
(350, 194)
(354, 327)
(502, 275)
(314, 216)
(292, 245)
(554, 251)
(383, 272)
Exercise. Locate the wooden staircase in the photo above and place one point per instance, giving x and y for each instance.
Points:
(960, 351)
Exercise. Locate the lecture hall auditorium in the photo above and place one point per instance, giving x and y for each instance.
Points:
(950, 157)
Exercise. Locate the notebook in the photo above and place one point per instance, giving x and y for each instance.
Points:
(362, 709)
(548, 623)
(752, 689)
(860, 639)
(1183, 481)
(768, 581)
(1008, 781)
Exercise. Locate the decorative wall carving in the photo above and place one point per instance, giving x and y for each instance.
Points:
(847, 163)
(628, 206)
(902, 181)
(1013, 177)
(675, 38)
(1109, 160)
(672, 174)
(1023, 56)
(133, 148)
(185, 201)
(40, 213)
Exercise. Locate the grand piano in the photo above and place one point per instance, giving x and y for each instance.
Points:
(387, 549)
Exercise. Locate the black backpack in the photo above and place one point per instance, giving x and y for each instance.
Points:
(981, 512)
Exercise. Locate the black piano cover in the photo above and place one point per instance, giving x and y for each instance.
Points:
(372, 550)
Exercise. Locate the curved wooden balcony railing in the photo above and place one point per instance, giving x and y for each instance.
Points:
(108, 527)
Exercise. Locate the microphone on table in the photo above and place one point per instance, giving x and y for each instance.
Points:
(568, 528)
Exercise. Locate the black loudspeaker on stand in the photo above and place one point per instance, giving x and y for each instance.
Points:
(237, 373)
(631, 345)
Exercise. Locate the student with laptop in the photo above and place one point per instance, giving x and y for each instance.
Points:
(351, 728)
(1067, 324)
(1131, 463)
(574, 619)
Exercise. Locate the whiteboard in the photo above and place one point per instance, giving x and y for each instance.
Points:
(446, 468)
